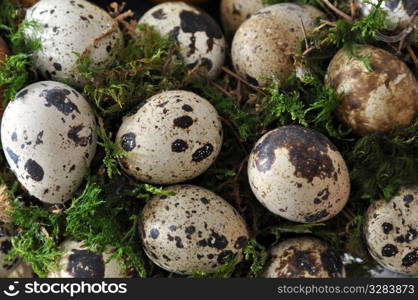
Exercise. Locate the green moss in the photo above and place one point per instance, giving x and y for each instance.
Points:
(38, 237)
(145, 65)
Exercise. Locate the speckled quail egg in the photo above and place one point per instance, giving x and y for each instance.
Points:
(6, 267)
(68, 27)
(298, 174)
(304, 257)
(235, 12)
(172, 137)
(266, 44)
(200, 38)
(191, 230)
(373, 101)
(49, 138)
(78, 261)
(391, 231)
(399, 14)
(22, 270)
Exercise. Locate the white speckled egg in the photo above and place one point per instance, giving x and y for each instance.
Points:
(78, 261)
(69, 26)
(172, 137)
(266, 44)
(298, 174)
(191, 230)
(373, 101)
(22, 270)
(235, 12)
(6, 267)
(200, 38)
(391, 232)
(304, 257)
(49, 138)
(399, 14)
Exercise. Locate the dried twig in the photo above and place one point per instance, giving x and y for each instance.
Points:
(236, 76)
(337, 11)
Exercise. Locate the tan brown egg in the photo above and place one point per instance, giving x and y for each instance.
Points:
(266, 44)
(298, 174)
(391, 231)
(376, 100)
(235, 12)
(304, 257)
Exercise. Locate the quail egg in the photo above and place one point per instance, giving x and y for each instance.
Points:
(266, 44)
(22, 270)
(68, 27)
(399, 14)
(6, 267)
(191, 230)
(172, 137)
(200, 38)
(235, 12)
(377, 100)
(304, 257)
(391, 232)
(298, 174)
(49, 139)
(78, 261)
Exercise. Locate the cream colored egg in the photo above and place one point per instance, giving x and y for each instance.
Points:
(68, 27)
(172, 137)
(192, 230)
(49, 139)
(235, 12)
(298, 174)
(391, 232)
(201, 40)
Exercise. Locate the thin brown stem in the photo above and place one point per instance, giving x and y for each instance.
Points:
(338, 11)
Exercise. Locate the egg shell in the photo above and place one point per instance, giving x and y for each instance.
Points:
(78, 261)
(391, 231)
(172, 137)
(68, 27)
(399, 13)
(6, 267)
(299, 174)
(201, 40)
(192, 230)
(304, 257)
(49, 139)
(373, 101)
(22, 270)
(235, 12)
(266, 44)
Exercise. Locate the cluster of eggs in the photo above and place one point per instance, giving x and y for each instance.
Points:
(175, 136)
